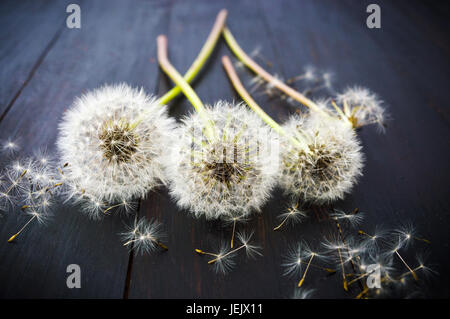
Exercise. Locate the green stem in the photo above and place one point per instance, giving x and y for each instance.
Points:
(204, 54)
(252, 65)
(256, 108)
(176, 77)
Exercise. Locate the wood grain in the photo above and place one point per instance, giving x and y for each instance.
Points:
(102, 51)
(45, 66)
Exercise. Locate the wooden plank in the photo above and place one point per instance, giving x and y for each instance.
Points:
(405, 173)
(406, 168)
(115, 44)
(27, 30)
(332, 36)
(180, 273)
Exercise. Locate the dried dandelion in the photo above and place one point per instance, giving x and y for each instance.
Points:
(113, 138)
(320, 160)
(222, 163)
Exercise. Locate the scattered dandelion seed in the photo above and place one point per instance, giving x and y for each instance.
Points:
(144, 236)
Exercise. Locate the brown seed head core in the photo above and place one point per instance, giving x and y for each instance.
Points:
(227, 170)
(118, 141)
(321, 168)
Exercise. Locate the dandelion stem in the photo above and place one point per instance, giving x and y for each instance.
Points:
(168, 68)
(300, 283)
(23, 227)
(252, 65)
(255, 107)
(203, 55)
(409, 268)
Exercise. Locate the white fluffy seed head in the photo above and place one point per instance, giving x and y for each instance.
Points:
(112, 139)
(229, 176)
(362, 107)
(332, 167)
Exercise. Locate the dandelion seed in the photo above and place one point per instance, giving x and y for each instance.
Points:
(292, 215)
(425, 270)
(395, 251)
(296, 258)
(10, 146)
(38, 213)
(303, 253)
(372, 242)
(223, 261)
(233, 220)
(308, 75)
(300, 283)
(144, 236)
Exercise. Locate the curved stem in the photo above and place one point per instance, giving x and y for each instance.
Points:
(176, 77)
(231, 72)
(204, 54)
(252, 65)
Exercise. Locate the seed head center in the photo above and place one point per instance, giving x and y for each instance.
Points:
(118, 141)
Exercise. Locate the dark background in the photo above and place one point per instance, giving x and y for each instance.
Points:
(44, 66)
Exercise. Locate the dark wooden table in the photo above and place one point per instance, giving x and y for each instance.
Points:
(45, 65)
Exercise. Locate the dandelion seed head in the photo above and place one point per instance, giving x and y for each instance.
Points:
(232, 175)
(333, 166)
(113, 138)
